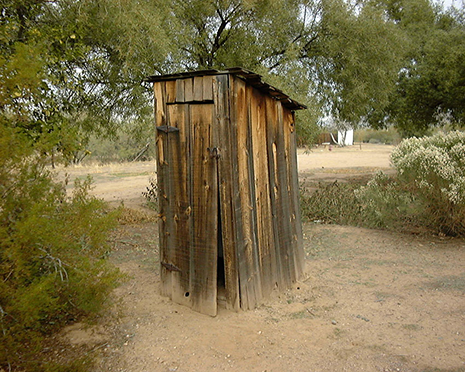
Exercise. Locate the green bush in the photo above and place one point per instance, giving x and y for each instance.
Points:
(331, 203)
(151, 195)
(53, 269)
(384, 203)
(428, 192)
(433, 168)
(429, 189)
(388, 136)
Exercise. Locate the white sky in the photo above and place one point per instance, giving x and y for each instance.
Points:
(448, 3)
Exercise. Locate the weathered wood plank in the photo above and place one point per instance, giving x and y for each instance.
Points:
(164, 189)
(198, 88)
(170, 91)
(167, 197)
(296, 224)
(180, 91)
(205, 212)
(262, 193)
(162, 180)
(272, 150)
(228, 186)
(159, 93)
(189, 90)
(284, 226)
(181, 203)
(248, 266)
(207, 88)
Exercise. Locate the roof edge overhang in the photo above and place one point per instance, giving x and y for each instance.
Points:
(250, 77)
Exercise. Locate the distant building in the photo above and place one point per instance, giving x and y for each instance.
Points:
(345, 138)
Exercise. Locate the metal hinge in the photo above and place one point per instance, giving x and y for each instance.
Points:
(170, 267)
(167, 129)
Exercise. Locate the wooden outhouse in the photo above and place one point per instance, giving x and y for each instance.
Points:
(230, 228)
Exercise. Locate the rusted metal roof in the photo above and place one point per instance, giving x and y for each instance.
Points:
(250, 77)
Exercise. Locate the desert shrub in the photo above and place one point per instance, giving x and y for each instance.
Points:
(331, 203)
(388, 136)
(151, 194)
(428, 192)
(433, 168)
(52, 254)
(122, 148)
(384, 203)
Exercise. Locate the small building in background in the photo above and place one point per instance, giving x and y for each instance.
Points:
(230, 226)
(345, 137)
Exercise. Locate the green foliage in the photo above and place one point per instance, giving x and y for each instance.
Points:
(386, 204)
(428, 192)
(389, 136)
(128, 143)
(74, 68)
(433, 168)
(359, 56)
(331, 203)
(151, 195)
(52, 253)
(430, 82)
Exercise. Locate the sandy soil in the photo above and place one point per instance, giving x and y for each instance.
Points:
(369, 301)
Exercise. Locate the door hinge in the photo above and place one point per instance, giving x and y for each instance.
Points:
(170, 267)
(167, 129)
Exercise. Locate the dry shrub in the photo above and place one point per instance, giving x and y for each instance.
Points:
(53, 267)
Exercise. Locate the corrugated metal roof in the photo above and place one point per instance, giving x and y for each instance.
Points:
(250, 77)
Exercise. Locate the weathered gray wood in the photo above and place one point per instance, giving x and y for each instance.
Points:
(260, 184)
(198, 88)
(272, 150)
(170, 87)
(227, 188)
(159, 92)
(163, 193)
(180, 97)
(162, 155)
(296, 237)
(248, 265)
(250, 190)
(284, 227)
(179, 173)
(207, 88)
(189, 90)
(205, 212)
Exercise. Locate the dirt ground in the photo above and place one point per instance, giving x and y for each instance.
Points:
(369, 301)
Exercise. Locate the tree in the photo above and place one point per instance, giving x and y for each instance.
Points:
(431, 80)
(330, 54)
(52, 247)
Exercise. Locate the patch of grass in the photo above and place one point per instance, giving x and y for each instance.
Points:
(331, 203)
(412, 327)
(151, 195)
(130, 174)
(325, 244)
(450, 282)
(130, 216)
(338, 333)
(381, 296)
(300, 315)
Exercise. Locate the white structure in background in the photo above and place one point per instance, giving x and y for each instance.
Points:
(345, 137)
(345, 131)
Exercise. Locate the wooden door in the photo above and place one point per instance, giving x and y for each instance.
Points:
(188, 189)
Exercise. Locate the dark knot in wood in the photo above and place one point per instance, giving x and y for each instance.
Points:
(214, 152)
